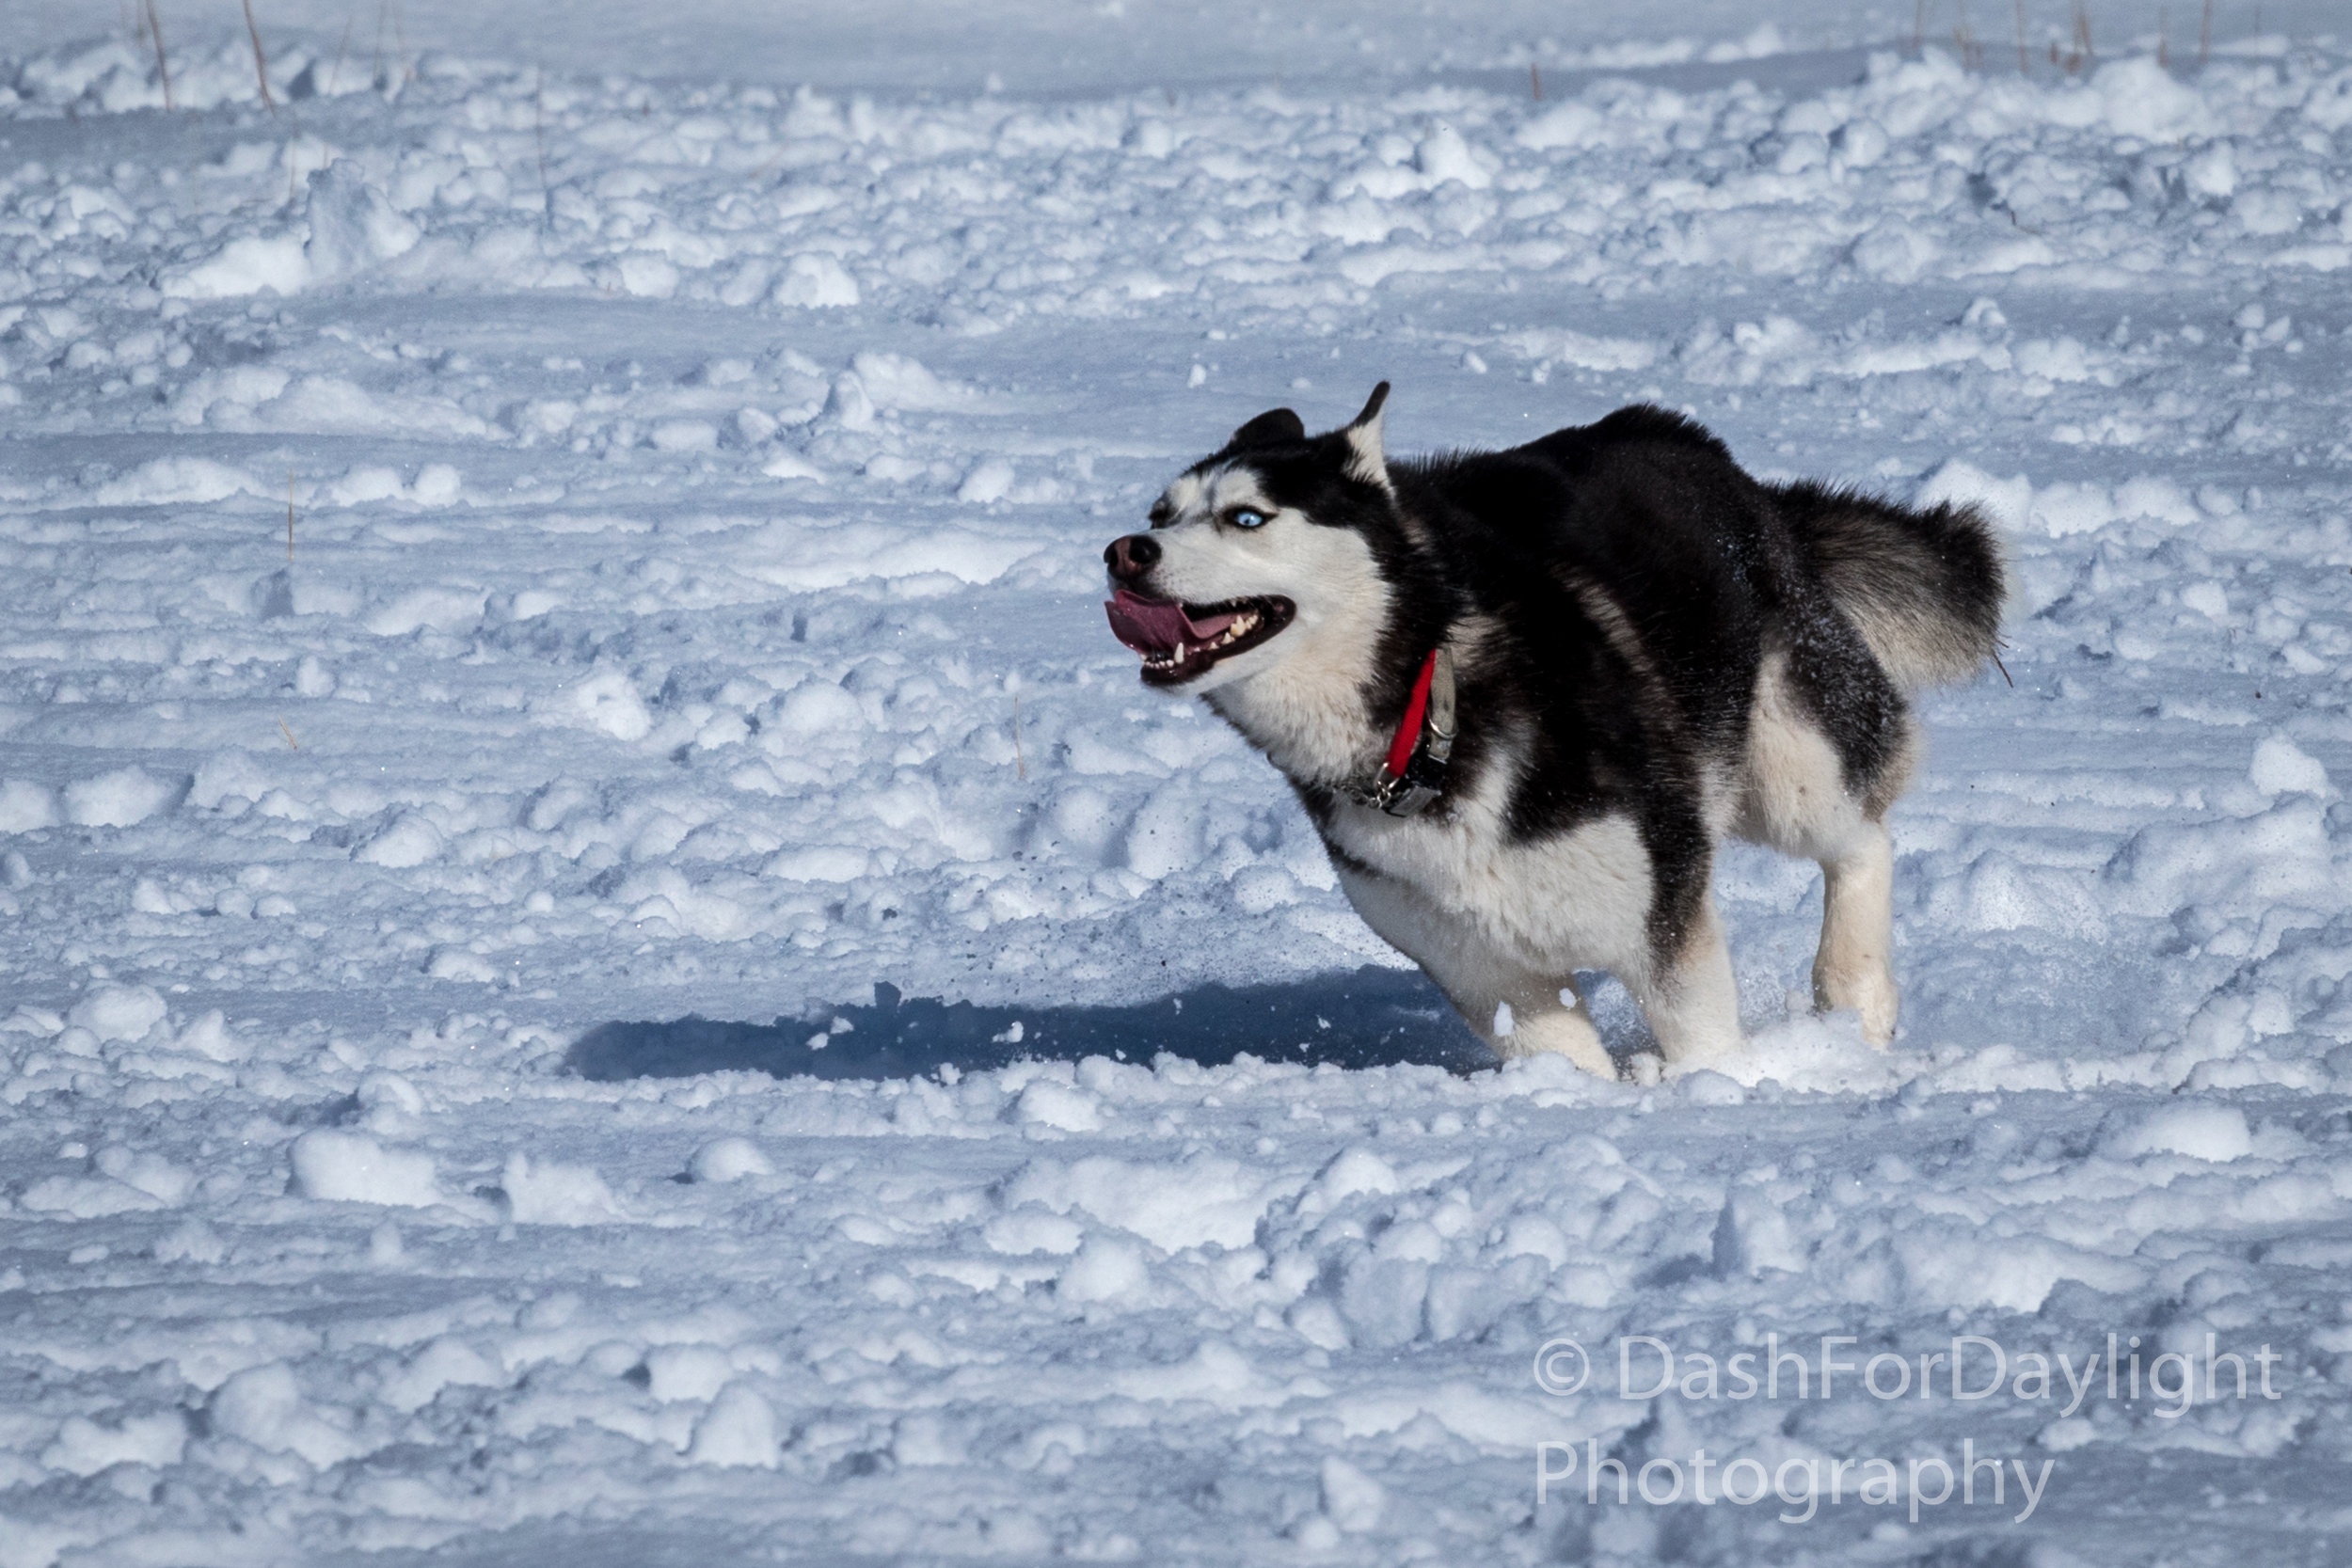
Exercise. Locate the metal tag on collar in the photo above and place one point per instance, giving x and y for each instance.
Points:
(1410, 795)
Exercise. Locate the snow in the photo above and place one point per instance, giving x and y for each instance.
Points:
(546, 1193)
(2200, 1132)
(119, 1012)
(600, 947)
(729, 1160)
(119, 798)
(345, 1168)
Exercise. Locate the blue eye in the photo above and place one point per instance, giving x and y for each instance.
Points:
(1247, 519)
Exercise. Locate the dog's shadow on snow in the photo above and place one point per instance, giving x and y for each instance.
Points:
(1370, 1017)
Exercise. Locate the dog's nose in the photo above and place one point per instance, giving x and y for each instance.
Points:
(1131, 556)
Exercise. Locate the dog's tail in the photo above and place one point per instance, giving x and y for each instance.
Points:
(1924, 587)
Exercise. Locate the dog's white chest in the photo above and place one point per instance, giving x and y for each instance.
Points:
(1580, 897)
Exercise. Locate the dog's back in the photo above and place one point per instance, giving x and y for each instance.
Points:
(1711, 566)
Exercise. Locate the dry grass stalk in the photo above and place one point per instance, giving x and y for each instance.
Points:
(152, 26)
(1970, 52)
(539, 135)
(2024, 61)
(2204, 35)
(388, 19)
(1534, 82)
(289, 734)
(334, 73)
(2080, 56)
(400, 36)
(261, 64)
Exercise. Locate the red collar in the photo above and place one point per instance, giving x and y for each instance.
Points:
(1407, 738)
(1413, 773)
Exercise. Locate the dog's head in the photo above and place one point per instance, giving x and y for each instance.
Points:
(1258, 553)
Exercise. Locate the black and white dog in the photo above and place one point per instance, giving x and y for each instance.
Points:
(1525, 693)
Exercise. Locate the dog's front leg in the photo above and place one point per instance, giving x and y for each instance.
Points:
(1515, 1009)
(1692, 1001)
(1544, 1018)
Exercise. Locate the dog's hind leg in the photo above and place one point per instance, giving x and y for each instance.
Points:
(1854, 966)
(1692, 1001)
(1798, 801)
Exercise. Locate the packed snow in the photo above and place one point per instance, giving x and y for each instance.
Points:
(602, 955)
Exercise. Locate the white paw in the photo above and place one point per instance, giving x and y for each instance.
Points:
(1870, 993)
(1561, 1035)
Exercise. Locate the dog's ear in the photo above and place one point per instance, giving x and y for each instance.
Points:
(1270, 428)
(1366, 460)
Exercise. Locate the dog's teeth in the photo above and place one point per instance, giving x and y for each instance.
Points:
(1166, 659)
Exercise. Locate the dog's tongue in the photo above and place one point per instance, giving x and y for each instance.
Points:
(1155, 626)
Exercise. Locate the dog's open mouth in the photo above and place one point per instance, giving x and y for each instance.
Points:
(1179, 642)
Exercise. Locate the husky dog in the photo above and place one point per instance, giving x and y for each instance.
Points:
(1525, 693)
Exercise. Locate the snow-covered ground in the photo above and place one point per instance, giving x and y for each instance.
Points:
(503, 558)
